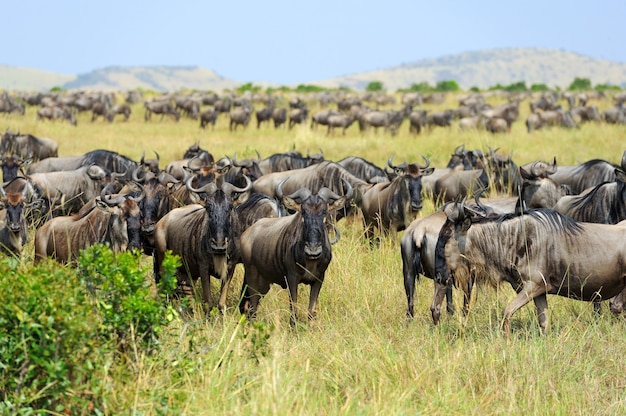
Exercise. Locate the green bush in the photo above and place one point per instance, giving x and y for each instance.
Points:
(580, 84)
(374, 86)
(447, 86)
(61, 325)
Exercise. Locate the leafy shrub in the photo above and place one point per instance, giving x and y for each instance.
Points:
(374, 86)
(580, 84)
(60, 325)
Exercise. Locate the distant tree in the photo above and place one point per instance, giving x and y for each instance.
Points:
(580, 84)
(539, 87)
(421, 87)
(374, 86)
(447, 86)
(607, 87)
(309, 88)
(516, 87)
(474, 89)
(248, 87)
(56, 89)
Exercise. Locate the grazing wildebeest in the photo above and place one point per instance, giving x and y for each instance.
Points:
(585, 114)
(439, 118)
(280, 162)
(279, 116)
(123, 109)
(208, 116)
(540, 252)
(262, 115)
(391, 206)
(9, 105)
(615, 115)
(289, 250)
(202, 236)
(417, 121)
(297, 116)
(342, 121)
(239, 116)
(27, 146)
(321, 117)
(101, 109)
(114, 220)
(57, 112)
(162, 107)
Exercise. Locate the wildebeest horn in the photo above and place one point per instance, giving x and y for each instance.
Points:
(301, 193)
(143, 155)
(141, 195)
(348, 189)
(337, 234)
(326, 194)
(191, 162)
(552, 170)
(209, 188)
(158, 158)
(258, 155)
(135, 176)
(246, 163)
(624, 161)
(165, 178)
(458, 152)
(427, 163)
(109, 200)
(389, 162)
(228, 188)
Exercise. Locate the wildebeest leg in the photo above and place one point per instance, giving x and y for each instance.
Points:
(221, 304)
(206, 289)
(541, 304)
(449, 300)
(255, 287)
(435, 307)
(529, 291)
(597, 307)
(467, 296)
(315, 292)
(293, 300)
(616, 303)
(409, 269)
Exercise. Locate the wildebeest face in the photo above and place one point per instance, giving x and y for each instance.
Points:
(314, 213)
(133, 224)
(154, 205)
(414, 176)
(14, 205)
(219, 207)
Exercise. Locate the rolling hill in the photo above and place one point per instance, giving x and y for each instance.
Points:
(555, 68)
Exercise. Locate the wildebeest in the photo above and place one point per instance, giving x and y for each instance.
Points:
(417, 120)
(162, 107)
(14, 201)
(605, 203)
(12, 166)
(27, 146)
(298, 116)
(321, 117)
(108, 219)
(289, 250)
(57, 112)
(208, 116)
(439, 118)
(279, 116)
(279, 162)
(67, 191)
(342, 121)
(364, 169)
(101, 109)
(123, 109)
(262, 115)
(9, 105)
(540, 252)
(202, 236)
(585, 175)
(390, 206)
(239, 116)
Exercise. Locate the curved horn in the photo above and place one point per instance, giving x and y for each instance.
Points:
(389, 162)
(624, 161)
(107, 198)
(427, 162)
(458, 152)
(165, 178)
(326, 194)
(209, 188)
(258, 156)
(141, 195)
(533, 170)
(553, 168)
(191, 162)
(158, 158)
(246, 163)
(135, 176)
(143, 155)
(337, 234)
(228, 188)
(349, 190)
(301, 193)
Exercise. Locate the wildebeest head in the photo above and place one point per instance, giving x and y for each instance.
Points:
(150, 165)
(155, 203)
(125, 226)
(11, 164)
(314, 210)
(219, 203)
(14, 204)
(412, 173)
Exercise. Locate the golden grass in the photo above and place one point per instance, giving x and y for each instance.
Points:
(361, 356)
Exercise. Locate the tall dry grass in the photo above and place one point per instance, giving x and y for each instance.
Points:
(361, 356)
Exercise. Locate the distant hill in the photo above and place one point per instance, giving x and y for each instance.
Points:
(483, 69)
(30, 79)
(555, 68)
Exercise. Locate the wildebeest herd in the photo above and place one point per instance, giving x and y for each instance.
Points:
(278, 216)
(366, 112)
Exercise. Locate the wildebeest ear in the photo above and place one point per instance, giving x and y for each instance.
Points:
(620, 175)
(103, 205)
(291, 204)
(337, 204)
(427, 171)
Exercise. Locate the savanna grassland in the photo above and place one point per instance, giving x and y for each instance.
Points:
(361, 355)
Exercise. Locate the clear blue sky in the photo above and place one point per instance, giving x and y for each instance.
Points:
(290, 42)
